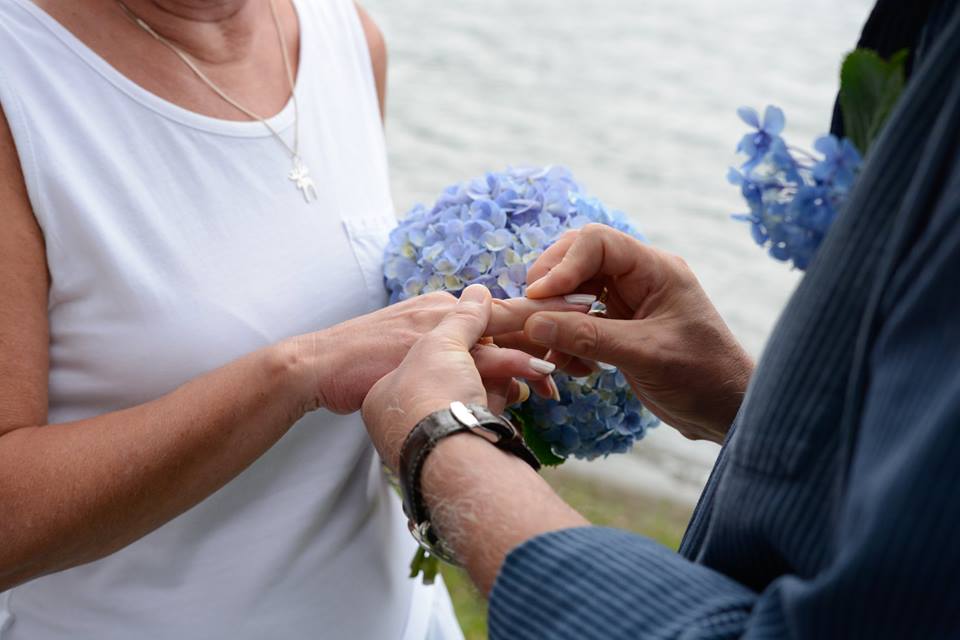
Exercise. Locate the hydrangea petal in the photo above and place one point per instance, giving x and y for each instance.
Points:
(749, 116)
(773, 120)
(497, 240)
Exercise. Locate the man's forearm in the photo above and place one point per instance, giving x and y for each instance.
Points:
(485, 502)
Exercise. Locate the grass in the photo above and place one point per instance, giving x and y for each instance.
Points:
(661, 520)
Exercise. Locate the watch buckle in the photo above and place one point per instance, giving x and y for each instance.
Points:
(462, 414)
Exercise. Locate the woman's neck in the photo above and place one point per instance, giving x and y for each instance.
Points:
(234, 42)
(213, 31)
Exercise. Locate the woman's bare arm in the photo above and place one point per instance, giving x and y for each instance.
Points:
(72, 493)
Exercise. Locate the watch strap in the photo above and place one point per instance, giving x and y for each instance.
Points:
(457, 418)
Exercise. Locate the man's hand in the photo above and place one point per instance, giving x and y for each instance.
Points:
(661, 330)
(445, 365)
(482, 501)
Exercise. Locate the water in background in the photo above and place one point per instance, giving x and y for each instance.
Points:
(638, 98)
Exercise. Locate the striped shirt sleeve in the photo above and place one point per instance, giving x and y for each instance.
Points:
(894, 567)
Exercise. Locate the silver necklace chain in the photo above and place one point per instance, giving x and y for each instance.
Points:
(300, 175)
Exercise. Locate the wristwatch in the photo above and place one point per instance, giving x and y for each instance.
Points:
(457, 418)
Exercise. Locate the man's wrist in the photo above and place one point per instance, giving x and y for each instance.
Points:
(400, 423)
(459, 462)
(455, 452)
(483, 502)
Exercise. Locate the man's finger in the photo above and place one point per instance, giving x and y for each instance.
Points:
(518, 340)
(579, 368)
(466, 323)
(510, 315)
(551, 257)
(597, 250)
(587, 337)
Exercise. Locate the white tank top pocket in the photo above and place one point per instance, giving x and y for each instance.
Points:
(368, 240)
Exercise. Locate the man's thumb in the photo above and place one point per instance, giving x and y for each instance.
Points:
(579, 334)
(467, 322)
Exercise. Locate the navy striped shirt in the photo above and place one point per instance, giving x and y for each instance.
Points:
(833, 510)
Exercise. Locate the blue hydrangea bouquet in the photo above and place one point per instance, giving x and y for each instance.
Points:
(793, 195)
(488, 231)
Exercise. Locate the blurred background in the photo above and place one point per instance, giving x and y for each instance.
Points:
(638, 99)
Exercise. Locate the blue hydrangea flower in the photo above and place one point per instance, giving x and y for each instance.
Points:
(596, 416)
(488, 231)
(840, 162)
(757, 143)
(793, 197)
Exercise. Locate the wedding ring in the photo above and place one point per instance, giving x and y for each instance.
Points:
(602, 298)
(600, 308)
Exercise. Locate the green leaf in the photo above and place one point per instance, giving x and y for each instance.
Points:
(426, 564)
(869, 89)
(531, 435)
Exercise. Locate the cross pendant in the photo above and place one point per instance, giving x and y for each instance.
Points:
(300, 175)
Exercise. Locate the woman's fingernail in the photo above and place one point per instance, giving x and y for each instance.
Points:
(554, 392)
(524, 391)
(580, 298)
(473, 294)
(542, 366)
(542, 330)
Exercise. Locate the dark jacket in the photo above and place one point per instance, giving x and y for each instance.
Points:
(834, 507)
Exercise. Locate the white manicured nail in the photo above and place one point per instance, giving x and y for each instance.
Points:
(554, 392)
(580, 298)
(524, 392)
(542, 366)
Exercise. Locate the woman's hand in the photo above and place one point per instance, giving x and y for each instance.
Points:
(661, 330)
(443, 366)
(340, 364)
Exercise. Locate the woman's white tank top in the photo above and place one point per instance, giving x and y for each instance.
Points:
(175, 244)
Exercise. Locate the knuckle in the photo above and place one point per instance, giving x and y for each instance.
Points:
(432, 309)
(680, 268)
(653, 349)
(681, 265)
(424, 318)
(440, 298)
(586, 338)
(595, 230)
(408, 338)
(466, 315)
(565, 279)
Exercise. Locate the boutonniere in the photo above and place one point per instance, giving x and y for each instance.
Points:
(794, 195)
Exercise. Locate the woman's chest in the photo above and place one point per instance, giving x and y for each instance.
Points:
(146, 299)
